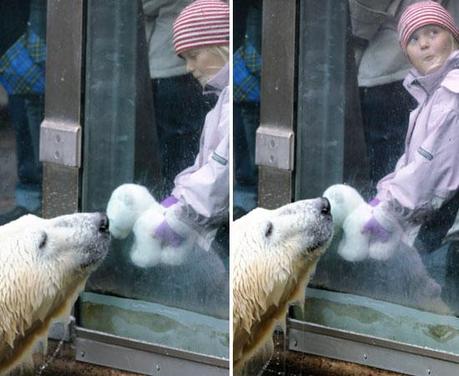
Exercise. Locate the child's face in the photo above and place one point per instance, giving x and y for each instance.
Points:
(429, 47)
(202, 64)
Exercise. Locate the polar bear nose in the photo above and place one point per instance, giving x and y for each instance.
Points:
(325, 206)
(103, 223)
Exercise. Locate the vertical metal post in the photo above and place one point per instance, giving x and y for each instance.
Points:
(275, 136)
(60, 135)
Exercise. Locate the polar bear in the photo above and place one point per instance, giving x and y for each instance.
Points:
(350, 212)
(44, 264)
(132, 208)
(273, 254)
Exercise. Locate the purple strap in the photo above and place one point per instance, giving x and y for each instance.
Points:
(167, 235)
(374, 202)
(169, 201)
(374, 228)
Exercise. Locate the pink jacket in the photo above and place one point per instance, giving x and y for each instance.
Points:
(427, 174)
(203, 188)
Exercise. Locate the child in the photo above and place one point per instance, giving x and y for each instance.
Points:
(201, 193)
(426, 176)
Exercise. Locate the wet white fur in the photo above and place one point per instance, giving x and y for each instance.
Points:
(273, 254)
(41, 275)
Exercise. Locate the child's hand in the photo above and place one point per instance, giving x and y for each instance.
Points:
(169, 201)
(377, 232)
(374, 202)
(167, 236)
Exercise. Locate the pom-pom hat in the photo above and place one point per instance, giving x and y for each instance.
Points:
(422, 14)
(203, 23)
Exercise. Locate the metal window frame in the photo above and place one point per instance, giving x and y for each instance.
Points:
(142, 357)
(275, 139)
(61, 153)
(370, 351)
(60, 133)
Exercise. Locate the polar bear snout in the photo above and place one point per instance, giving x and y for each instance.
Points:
(104, 223)
(324, 206)
(308, 222)
(83, 234)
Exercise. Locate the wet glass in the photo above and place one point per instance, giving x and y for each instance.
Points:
(411, 296)
(129, 139)
(246, 102)
(22, 44)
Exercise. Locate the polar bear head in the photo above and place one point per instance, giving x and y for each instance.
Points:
(44, 264)
(294, 230)
(273, 255)
(126, 204)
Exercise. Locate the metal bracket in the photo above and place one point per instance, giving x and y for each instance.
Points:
(275, 147)
(60, 143)
(63, 330)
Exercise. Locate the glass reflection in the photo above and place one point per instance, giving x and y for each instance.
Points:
(22, 76)
(415, 277)
(146, 123)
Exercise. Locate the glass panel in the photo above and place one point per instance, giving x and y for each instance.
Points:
(22, 44)
(246, 101)
(410, 294)
(144, 128)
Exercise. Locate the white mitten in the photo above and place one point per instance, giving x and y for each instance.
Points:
(349, 211)
(354, 246)
(126, 204)
(147, 250)
(343, 201)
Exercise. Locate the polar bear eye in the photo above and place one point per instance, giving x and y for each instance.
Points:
(268, 229)
(43, 240)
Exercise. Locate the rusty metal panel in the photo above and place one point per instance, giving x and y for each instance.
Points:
(60, 189)
(275, 187)
(277, 115)
(64, 40)
(60, 145)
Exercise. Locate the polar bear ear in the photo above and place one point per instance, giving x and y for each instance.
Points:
(42, 240)
(268, 229)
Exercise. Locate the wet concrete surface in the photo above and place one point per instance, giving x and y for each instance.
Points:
(65, 364)
(298, 364)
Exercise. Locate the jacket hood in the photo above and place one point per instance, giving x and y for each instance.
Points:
(421, 86)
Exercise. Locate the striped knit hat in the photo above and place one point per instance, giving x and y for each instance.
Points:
(203, 23)
(422, 14)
